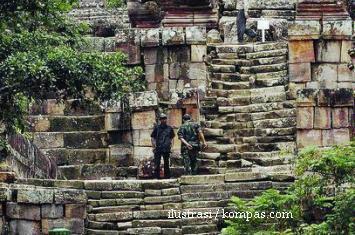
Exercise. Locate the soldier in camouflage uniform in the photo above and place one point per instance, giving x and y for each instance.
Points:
(190, 135)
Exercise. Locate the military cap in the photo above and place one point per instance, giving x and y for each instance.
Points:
(186, 117)
(163, 116)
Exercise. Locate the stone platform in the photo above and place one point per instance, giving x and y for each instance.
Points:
(130, 206)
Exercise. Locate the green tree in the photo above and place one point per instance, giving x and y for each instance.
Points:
(322, 199)
(40, 54)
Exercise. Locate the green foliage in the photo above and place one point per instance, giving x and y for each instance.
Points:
(322, 199)
(40, 55)
(115, 3)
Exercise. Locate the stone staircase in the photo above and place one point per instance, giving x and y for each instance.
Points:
(74, 137)
(249, 119)
(145, 206)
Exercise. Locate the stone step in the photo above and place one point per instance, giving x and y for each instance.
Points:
(264, 68)
(266, 131)
(234, 48)
(253, 108)
(267, 158)
(211, 156)
(229, 77)
(96, 171)
(228, 56)
(230, 85)
(67, 108)
(245, 176)
(267, 147)
(100, 232)
(206, 163)
(269, 60)
(271, 75)
(220, 148)
(230, 93)
(236, 62)
(270, 82)
(265, 54)
(270, 46)
(64, 156)
(44, 123)
(75, 140)
(223, 68)
(244, 100)
(209, 132)
(115, 202)
(111, 209)
(268, 97)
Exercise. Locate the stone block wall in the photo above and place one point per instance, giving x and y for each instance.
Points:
(319, 75)
(28, 209)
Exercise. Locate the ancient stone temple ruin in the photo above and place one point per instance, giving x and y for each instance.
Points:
(89, 168)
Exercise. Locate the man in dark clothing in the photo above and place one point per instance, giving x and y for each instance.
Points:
(190, 135)
(242, 7)
(162, 139)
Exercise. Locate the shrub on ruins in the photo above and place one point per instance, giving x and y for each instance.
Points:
(41, 54)
(321, 201)
(115, 3)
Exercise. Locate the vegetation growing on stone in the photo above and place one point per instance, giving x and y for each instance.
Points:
(115, 3)
(40, 55)
(321, 200)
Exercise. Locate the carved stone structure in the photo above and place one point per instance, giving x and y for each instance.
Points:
(258, 103)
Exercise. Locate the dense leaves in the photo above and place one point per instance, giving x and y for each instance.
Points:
(322, 200)
(40, 54)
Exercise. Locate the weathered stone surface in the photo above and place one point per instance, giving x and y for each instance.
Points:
(117, 216)
(196, 35)
(173, 36)
(162, 199)
(345, 74)
(75, 211)
(337, 29)
(51, 211)
(24, 227)
(155, 55)
(148, 230)
(326, 75)
(271, 4)
(35, 196)
(300, 30)
(150, 37)
(160, 184)
(67, 196)
(143, 120)
(213, 36)
(197, 71)
(335, 137)
(142, 137)
(151, 214)
(322, 118)
(23, 211)
(244, 176)
(309, 138)
(301, 51)
(328, 51)
(44, 140)
(340, 117)
(346, 45)
(209, 179)
(198, 52)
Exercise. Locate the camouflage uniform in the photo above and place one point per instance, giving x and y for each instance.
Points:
(189, 132)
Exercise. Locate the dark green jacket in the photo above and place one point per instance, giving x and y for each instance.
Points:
(189, 131)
